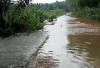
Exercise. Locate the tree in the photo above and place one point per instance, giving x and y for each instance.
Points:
(4, 5)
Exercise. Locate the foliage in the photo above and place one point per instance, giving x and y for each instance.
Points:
(56, 5)
(53, 14)
(23, 18)
(89, 9)
(50, 11)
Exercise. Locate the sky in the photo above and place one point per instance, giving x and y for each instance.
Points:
(45, 1)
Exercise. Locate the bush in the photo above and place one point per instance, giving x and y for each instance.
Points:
(53, 14)
(88, 13)
(88, 9)
(23, 20)
(26, 19)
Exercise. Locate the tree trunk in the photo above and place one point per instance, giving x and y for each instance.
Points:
(4, 4)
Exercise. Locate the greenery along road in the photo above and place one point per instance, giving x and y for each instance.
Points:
(25, 17)
(87, 9)
(22, 17)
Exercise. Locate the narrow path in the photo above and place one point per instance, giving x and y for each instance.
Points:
(70, 45)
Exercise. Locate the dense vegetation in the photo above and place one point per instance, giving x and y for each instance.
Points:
(56, 5)
(51, 10)
(88, 9)
(22, 17)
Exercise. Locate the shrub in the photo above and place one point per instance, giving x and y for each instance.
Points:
(24, 20)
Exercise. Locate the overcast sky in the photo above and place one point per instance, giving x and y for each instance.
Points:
(45, 1)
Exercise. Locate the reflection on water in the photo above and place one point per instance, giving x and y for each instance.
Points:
(71, 44)
(45, 61)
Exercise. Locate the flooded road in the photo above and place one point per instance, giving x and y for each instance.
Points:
(71, 44)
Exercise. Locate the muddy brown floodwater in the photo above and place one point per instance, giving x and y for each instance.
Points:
(71, 44)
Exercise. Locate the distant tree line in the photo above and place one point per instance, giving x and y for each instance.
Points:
(56, 5)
